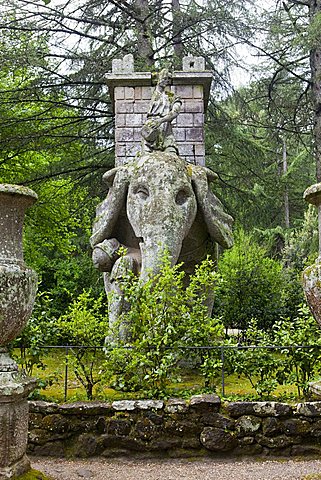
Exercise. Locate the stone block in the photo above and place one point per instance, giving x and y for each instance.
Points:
(217, 439)
(261, 409)
(122, 106)
(200, 160)
(198, 120)
(309, 409)
(197, 91)
(193, 106)
(40, 406)
(14, 410)
(117, 66)
(185, 120)
(134, 119)
(119, 427)
(186, 149)
(295, 426)
(119, 93)
(141, 106)
(120, 119)
(217, 420)
(124, 405)
(138, 93)
(194, 135)
(193, 64)
(271, 426)
(205, 402)
(137, 134)
(176, 405)
(179, 134)
(150, 404)
(129, 93)
(301, 450)
(248, 425)
(123, 65)
(146, 93)
(280, 441)
(199, 149)
(124, 134)
(184, 91)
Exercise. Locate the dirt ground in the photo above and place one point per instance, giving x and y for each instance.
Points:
(174, 469)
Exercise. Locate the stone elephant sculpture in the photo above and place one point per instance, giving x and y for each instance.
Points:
(157, 202)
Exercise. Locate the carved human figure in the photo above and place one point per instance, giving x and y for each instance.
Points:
(155, 203)
(164, 107)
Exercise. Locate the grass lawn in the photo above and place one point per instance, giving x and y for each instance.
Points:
(191, 382)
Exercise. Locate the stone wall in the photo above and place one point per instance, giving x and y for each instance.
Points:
(175, 428)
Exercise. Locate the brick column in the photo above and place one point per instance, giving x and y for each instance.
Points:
(131, 93)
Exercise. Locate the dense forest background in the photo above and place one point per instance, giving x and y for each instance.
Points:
(263, 134)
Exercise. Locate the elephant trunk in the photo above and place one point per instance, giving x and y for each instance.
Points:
(152, 254)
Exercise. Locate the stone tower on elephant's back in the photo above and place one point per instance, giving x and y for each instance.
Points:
(131, 94)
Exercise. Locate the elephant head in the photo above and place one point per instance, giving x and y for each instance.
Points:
(159, 202)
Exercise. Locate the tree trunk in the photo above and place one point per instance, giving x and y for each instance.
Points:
(286, 192)
(315, 62)
(144, 34)
(177, 37)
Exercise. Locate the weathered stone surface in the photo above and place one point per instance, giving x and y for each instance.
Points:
(217, 440)
(84, 408)
(298, 450)
(295, 426)
(124, 405)
(217, 420)
(247, 425)
(280, 441)
(52, 449)
(149, 404)
(118, 427)
(309, 409)
(205, 402)
(182, 427)
(40, 406)
(261, 409)
(271, 426)
(145, 429)
(253, 449)
(315, 428)
(87, 445)
(176, 405)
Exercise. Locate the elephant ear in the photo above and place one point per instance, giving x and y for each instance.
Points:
(108, 211)
(218, 222)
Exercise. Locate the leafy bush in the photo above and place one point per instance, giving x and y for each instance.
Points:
(164, 316)
(85, 324)
(303, 364)
(250, 285)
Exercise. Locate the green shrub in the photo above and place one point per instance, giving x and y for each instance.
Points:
(250, 285)
(164, 316)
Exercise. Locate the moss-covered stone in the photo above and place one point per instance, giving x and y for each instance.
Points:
(33, 475)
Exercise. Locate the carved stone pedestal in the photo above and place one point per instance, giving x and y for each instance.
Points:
(14, 389)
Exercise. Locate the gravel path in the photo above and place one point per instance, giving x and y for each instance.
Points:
(205, 469)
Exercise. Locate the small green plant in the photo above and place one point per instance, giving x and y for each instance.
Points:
(303, 364)
(257, 364)
(85, 325)
(165, 315)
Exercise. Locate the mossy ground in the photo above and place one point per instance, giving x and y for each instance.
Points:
(33, 475)
(312, 476)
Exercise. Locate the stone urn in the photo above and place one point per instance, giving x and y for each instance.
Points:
(18, 285)
(312, 274)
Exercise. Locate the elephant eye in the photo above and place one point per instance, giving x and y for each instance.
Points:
(182, 196)
(142, 192)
